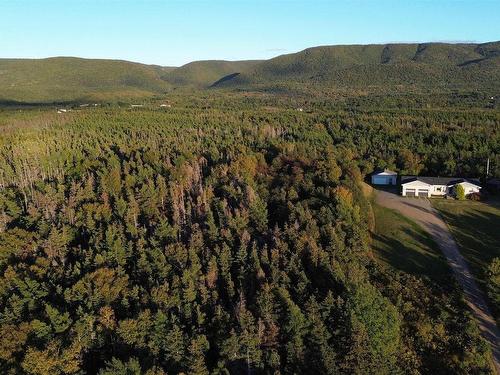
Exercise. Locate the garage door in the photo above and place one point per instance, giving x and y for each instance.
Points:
(410, 192)
(423, 192)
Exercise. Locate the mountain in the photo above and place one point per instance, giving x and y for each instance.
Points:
(386, 68)
(202, 74)
(70, 79)
(399, 66)
(76, 79)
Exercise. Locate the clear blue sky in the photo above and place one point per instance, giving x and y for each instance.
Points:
(176, 32)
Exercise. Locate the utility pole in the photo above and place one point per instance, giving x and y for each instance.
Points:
(487, 168)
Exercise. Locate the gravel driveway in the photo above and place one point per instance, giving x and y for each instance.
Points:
(421, 211)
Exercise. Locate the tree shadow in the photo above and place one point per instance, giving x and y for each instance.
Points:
(477, 233)
(393, 189)
(424, 261)
(413, 205)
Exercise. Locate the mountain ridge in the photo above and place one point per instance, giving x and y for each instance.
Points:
(204, 73)
(392, 66)
(432, 65)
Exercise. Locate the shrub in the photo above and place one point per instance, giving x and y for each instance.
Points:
(474, 196)
(460, 192)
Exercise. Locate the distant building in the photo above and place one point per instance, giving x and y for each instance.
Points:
(421, 186)
(384, 177)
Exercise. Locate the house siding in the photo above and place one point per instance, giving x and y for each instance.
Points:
(440, 190)
(416, 188)
(419, 188)
(384, 178)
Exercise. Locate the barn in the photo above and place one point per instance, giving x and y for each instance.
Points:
(384, 177)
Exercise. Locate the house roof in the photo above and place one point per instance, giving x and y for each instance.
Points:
(448, 181)
(383, 172)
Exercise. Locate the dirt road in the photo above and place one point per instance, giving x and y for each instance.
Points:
(421, 211)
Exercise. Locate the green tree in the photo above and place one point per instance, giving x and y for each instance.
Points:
(377, 317)
(117, 367)
(459, 192)
(493, 284)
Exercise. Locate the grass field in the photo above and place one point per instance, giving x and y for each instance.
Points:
(403, 245)
(476, 228)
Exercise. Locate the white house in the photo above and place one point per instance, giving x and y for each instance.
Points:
(421, 186)
(384, 177)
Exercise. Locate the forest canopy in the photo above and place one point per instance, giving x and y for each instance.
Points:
(224, 235)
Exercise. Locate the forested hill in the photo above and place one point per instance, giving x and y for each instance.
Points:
(65, 79)
(435, 67)
(431, 66)
(202, 74)
(73, 79)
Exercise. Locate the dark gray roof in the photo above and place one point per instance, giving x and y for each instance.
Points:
(448, 181)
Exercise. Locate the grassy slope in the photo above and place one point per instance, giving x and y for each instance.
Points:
(205, 73)
(402, 66)
(403, 245)
(476, 228)
(68, 79)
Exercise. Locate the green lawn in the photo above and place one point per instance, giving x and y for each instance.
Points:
(402, 244)
(476, 228)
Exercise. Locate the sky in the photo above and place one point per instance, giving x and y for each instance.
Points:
(172, 33)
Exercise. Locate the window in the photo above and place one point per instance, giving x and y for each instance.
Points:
(438, 188)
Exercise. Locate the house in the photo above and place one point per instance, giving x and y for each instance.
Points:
(421, 186)
(384, 177)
